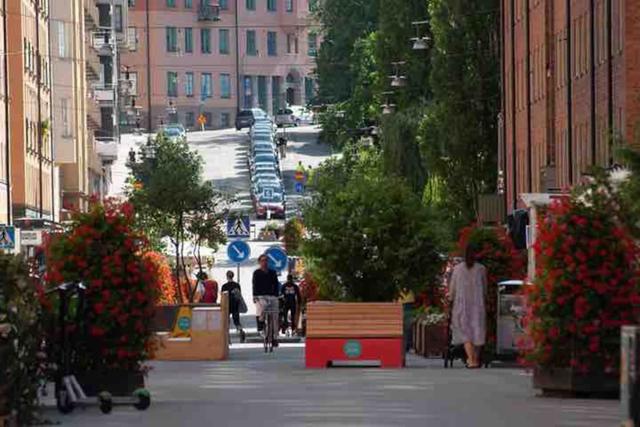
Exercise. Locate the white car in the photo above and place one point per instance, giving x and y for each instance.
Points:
(302, 115)
(285, 117)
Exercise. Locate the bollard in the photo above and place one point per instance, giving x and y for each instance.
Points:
(629, 382)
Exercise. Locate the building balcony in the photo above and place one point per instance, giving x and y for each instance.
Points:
(102, 41)
(106, 148)
(104, 95)
(209, 12)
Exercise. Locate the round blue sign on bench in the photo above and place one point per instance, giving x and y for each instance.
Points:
(352, 349)
(184, 323)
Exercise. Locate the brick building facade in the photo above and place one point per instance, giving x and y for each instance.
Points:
(570, 74)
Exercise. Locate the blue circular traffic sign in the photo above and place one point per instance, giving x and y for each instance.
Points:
(238, 251)
(277, 258)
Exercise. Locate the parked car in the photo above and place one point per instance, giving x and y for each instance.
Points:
(254, 166)
(260, 114)
(285, 117)
(174, 134)
(244, 119)
(265, 168)
(178, 127)
(262, 148)
(302, 115)
(270, 201)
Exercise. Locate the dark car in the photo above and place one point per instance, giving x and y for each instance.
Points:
(244, 119)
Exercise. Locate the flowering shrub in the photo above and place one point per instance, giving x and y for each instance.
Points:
(586, 283)
(293, 234)
(496, 251)
(102, 250)
(164, 274)
(309, 288)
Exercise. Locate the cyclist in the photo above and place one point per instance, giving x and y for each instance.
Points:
(291, 293)
(265, 293)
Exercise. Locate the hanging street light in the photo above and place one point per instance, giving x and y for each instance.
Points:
(398, 80)
(420, 41)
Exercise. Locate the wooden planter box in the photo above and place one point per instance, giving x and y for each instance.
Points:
(567, 382)
(164, 317)
(118, 383)
(430, 340)
(354, 332)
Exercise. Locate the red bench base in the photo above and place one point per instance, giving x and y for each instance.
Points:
(321, 352)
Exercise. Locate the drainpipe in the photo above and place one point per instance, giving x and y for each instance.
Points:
(237, 58)
(514, 160)
(528, 77)
(569, 95)
(7, 135)
(39, 104)
(149, 127)
(610, 72)
(592, 47)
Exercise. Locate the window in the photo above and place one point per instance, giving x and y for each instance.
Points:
(225, 120)
(62, 40)
(188, 83)
(171, 3)
(224, 4)
(208, 118)
(308, 89)
(188, 40)
(250, 4)
(118, 18)
(313, 44)
(64, 117)
(172, 83)
(172, 39)
(205, 40)
(272, 43)
(271, 5)
(225, 86)
(292, 43)
(313, 5)
(188, 4)
(223, 41)
(251, 43)
(288, 5)
(205, 86)
(189, 119)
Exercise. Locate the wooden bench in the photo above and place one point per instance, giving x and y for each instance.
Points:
(354, 332)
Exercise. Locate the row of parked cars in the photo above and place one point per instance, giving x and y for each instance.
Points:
(294, 115)
(267, 189)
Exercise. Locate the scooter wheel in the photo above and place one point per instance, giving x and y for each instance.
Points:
(143, 399)
(64, 403)
(106, 402)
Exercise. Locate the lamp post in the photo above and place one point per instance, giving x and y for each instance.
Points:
(420, 41)
(398, 80)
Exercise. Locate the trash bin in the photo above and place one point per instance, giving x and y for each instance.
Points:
(629, 370)
(509, 318)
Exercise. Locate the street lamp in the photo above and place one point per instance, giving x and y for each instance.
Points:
(397, 80)
(387, 107)
(420, 42)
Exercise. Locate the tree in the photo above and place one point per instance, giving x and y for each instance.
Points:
(364, 229)
(458, 135)
(171, 199)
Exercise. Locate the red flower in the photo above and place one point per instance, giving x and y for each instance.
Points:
(97, 331)
(99, 308)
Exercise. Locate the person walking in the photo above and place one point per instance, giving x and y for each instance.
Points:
(235, 301)
(291, 294)
(467, 291)
(208, 289)
(265, 292)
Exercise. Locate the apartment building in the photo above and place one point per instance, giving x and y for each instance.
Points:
(571, 74)
(211, 58)
(32, 177)
(5, 189)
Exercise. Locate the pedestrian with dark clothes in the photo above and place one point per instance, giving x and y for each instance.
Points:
(235, 300)
(291, 294)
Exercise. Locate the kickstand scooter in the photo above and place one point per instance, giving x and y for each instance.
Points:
(68, 392)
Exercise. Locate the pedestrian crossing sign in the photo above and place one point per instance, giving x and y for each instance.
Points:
(7, 237)
(239, 227)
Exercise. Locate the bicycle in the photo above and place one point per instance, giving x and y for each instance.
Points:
(270, 314)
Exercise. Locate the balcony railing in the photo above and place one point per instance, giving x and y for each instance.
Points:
(209, 12)
(103, 42)
(107, 148)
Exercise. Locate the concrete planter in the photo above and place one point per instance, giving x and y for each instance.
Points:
(568, 382)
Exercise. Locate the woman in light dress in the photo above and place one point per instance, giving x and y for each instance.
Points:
(467, 291)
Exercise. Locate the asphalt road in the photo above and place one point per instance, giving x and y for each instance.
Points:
(255, 389)
(225, 163)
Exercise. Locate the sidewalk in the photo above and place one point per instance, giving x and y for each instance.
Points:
(257, 389)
